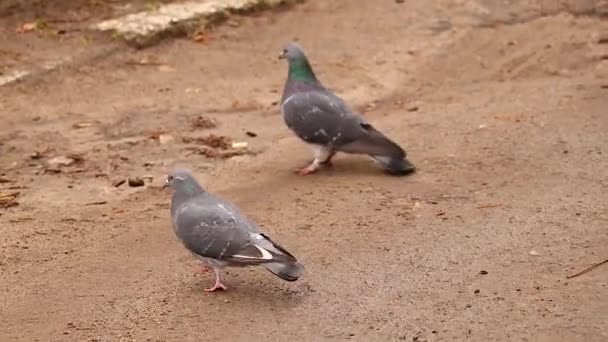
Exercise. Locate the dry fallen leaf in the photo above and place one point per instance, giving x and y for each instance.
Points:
(510, 117)
(82, 125)
(41, 153)
(211, 140)
(7, 200)
(239, 145)
(60, 161)
(201, 37)
(155, 134)
(164, 139)
(203, 122)
(202, 150)
(232, 153)
(28, 27)
(6, 180)
(146, 60)
(165, 68)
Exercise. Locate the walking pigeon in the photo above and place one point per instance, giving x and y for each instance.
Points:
(219, 235)
(322, 119)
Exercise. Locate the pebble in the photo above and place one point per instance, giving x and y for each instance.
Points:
(60, 161)
(136, 182)
(164, 139)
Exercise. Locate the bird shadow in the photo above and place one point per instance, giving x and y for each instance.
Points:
(251, 288)
(355, 165)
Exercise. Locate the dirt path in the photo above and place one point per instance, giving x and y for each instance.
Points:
(506, 120)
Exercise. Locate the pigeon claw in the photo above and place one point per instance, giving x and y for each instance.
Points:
(306, 171)
(217, 286)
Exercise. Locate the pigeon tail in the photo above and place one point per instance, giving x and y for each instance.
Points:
(395, 166)
(284, 265)
(382, 149)
(289, 271)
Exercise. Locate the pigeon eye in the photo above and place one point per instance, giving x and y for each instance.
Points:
(285, 51)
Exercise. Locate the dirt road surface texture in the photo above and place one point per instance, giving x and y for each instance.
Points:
(502, 105)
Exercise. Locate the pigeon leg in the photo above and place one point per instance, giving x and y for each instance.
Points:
(327, 162)
(218, 281)
(312, 168)
(203, 268)
(322, 154)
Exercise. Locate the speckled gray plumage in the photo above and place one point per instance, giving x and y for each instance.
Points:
(319, 117)
(216, 231)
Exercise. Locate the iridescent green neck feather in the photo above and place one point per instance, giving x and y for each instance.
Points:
(300, 70)
(191, 189)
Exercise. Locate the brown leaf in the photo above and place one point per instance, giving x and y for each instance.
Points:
(233, 153)
(28, 27)
(52, 170)
(76, 157)
(6, 180)
(8, 200)
(82, 125)
(510, 117)
(201, 37)
(203, 150)
(41, 153)
(203, 122)
(118, 182)
(144, 61)
(165, 68)
(96, 203)
(155, 135)
(211, 140)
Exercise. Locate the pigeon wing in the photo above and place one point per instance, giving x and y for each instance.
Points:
(218, 232)
(319, 117)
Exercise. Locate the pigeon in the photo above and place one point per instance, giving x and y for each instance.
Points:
(217, 233)
(322, 119)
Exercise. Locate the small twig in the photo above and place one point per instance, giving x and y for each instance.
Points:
(17, 187)
(67, 21)
(96, 203)
(489, 206)
(587, 269)
(21, 219)
(143, 63)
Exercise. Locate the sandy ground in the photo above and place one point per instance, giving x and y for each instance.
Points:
(503, 107)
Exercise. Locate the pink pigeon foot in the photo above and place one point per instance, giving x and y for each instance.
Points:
(307, 170)
(218, 282)
(218, 286)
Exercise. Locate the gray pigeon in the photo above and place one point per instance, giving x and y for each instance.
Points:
(219, 235)
(322, 119)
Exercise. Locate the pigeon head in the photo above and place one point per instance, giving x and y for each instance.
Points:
(183, 181)
(299, 68)
(292, 52)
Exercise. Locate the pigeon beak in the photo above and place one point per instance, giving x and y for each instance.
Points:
(283, 54)
(166, 185)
